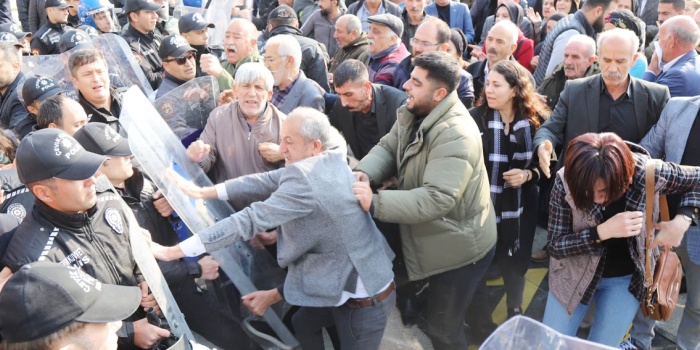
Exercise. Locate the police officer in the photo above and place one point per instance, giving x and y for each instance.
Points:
(22, 37)
(45, 40)
(142, 38)
(77, 224)
(35, 90)
(152, 210)
(73, 38)
(195, 29)
(178, 63)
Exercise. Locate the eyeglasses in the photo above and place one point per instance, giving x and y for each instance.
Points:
(416, 42)
(181, 60)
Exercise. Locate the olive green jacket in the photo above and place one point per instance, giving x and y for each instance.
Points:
(443, 202)
(230, 69)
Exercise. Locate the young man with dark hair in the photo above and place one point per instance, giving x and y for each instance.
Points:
(448, 226)
(45, 40)
(61, 112)
(142, 38)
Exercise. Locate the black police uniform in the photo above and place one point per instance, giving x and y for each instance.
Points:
(45, 40)
(102, 115)
(96, 241)
(12, 112)
(215, 50)
(145, 49)
(203, 313)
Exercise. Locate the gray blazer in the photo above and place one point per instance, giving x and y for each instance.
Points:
(577, 111)
(304, 93)
(324, 237)
(650, 13)
(667, 140)
(37, 15)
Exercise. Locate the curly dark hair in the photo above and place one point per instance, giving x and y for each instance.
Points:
(526, 103)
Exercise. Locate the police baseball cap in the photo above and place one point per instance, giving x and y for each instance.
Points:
(10, 38)
(282, 12)
(191, 22)
(174, 46)
(394, 23)
(73, 38)
(52, 153)
(136, 5)
(14, 29)
(39, 88)
(62, 4)
(44, 297)
(101, 139)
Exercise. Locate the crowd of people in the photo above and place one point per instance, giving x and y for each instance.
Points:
(386, 153)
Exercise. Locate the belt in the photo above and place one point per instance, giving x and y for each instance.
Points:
(365, 302)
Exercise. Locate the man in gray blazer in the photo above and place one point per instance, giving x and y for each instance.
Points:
(675, 138)
(292, 88)
(338, 262)
(612, 101)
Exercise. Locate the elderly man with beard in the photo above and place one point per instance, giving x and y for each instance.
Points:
(292, 88)
(45, 40)
(242, 137)
(241, 46)
(433, 34)
(589, 20)
(612, 101)
(579, 61)
(321, 23)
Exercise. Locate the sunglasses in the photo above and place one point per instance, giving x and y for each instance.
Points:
(181, 60)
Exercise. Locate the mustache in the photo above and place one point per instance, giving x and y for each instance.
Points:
(232, 48)
(370, 41)
(615, 75)
(569, 67)
(492, 51)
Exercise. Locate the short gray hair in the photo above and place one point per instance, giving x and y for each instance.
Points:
(288, 46)
(684, 35)
(510, 27)
(252, 71)
(9, 51)
(353, 24)
(314, 126)
(619, 33)
(585, 40)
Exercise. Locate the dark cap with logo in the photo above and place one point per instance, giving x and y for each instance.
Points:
(52, 153)
(44, 297)
(282, 12)
(191, 22)
(73, 38)
(136, 5)
(101, 139)
(62, 4)
(174, 46)
(39, 88)
(394, 23)
(10, 38)
(14, 29)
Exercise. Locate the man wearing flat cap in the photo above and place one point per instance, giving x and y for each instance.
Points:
(22, 36)
(385, 50)
(45, 40)
(62, 308)
(178, 62)
(143, 40)
(77, 224)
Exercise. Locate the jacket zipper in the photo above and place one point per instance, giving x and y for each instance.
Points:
(98, 245)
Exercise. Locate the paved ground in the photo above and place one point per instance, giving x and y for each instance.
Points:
(398, 337)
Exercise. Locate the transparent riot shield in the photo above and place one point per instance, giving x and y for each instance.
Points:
(123, 69)
(162, 156)
(524, 333)
(186, 108)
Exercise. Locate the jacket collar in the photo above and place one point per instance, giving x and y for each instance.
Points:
(285, 29)
(361, 40)
(61, 219)
(150, 36)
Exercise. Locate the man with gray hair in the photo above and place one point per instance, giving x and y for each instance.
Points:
(579, 61)
(351, 40)
(675, 62)
(501, 41)
(242, 137)
(292, 88)
(339, 264)
(385, 49)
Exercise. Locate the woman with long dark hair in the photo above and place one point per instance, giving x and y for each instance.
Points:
(597, 232)
(508, 116)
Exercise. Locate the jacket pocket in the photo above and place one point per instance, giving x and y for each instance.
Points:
(320, 275)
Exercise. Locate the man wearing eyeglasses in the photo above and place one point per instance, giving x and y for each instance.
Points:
(178, 62)
(433, 34)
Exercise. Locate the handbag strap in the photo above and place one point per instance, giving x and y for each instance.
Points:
(663, 212)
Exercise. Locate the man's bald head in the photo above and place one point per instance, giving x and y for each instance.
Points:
(684, 31)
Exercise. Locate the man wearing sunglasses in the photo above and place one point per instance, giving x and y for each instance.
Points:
(178, 62)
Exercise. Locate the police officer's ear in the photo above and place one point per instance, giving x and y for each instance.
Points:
(43, 190)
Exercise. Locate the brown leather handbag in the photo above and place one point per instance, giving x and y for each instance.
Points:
(661, 295)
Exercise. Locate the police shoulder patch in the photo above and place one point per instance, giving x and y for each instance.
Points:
(114, 220)
(17, 210)
(166, 109)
